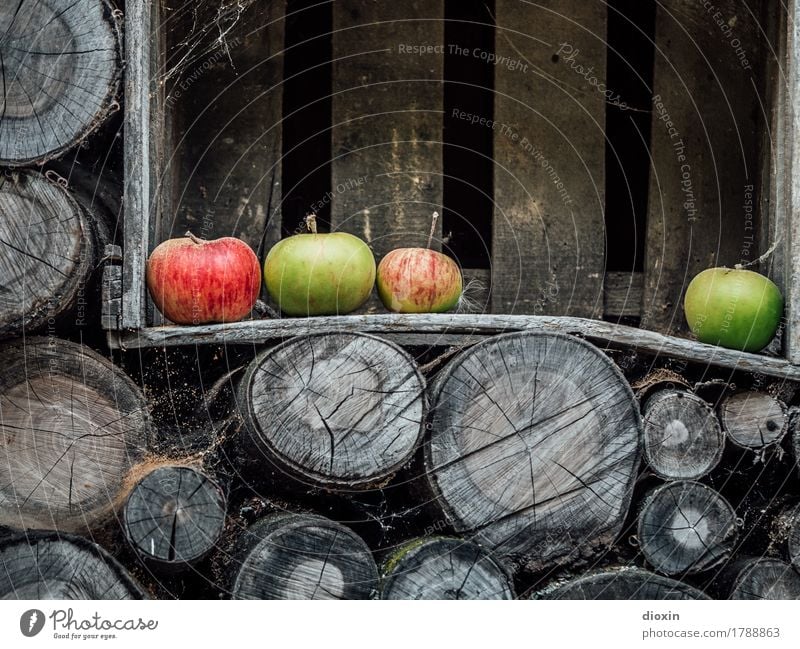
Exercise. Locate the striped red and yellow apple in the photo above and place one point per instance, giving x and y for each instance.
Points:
(419, 280)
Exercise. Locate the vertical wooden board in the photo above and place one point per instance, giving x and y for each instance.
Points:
(549, 148)
(224, 106)
(386, 171)
(708, 108)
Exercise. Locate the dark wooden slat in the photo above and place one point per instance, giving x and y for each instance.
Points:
(462, 325)
(707, 107)
(622, 294)
(548, 252)
(387, 121)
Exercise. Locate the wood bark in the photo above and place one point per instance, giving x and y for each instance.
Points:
(547, 239)
(50, 565)
(444, 568)
(294, 556)
(47, 253)
(174, 515)
(72, 427)
(337, 410)
(623, 584)
(759, 578)
(682, 437)
(753, 419)
(686, 527)
(533, 446)
(61, 66)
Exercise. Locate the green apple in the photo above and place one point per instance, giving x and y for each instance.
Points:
(319, 273)
(734, 308)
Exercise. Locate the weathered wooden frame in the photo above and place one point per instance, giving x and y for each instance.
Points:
(144, 118)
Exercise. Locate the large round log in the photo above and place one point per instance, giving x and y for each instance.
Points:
(682, 436)
(753, 419)
(47, 252)
(336, 410)
(50, 565)
(174, 516)
(444, 568)
(622, 584)
(534, 446)
(759, 578)
(294, 556)
(61, 67)
(72, 425)
(686, 527)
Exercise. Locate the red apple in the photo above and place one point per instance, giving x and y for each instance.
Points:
(419, 280)
(193, 281)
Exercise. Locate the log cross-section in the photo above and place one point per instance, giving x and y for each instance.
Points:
(534, 446)
(60, 64)
(622, 584)
(753, 419)
(761, 578)
(339, 410)
(174, 515)
(72, 425)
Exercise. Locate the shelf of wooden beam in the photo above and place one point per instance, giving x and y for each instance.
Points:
(450, 329)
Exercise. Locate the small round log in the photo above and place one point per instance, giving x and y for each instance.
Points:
(623, 584)
(444, 568)
(49, 565)
(682, 436)
(753, 419)
(686, 527)
(336, 410)
(534, 446)
(294, 556)
(174, 516)
(47, 252)
(786, 534)
(72, 427)
(61, 67)
(765, 579)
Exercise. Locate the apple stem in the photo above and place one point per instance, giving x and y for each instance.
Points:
(193, 238)
(311, 223)
(433, 228)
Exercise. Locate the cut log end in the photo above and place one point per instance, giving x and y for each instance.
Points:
(682, 436)
(61, 67)
(686, 527)
(174, 515)
(337, 410)
(766, 579)
(47, 252)
(292, 556)
(534, 446)
(623, 584)
(754, 419)
(58, 566)
(72, 427)
(444, 568)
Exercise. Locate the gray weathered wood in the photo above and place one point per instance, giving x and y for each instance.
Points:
(53, 565)
(785, 534)
(71, 427)
(444, 568)
(622, 294)
(111, 290)
(386, 168)
(622, 584)
(686, 527)
(339, 410)
(47, 252)
(223, 108)
(174, 515)
(704, 148)
(682, 438)
(468, 325)
(760, 578)
(61, 65)
(533, 446)
(292, 556)
(549, 148)
(753, 419)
